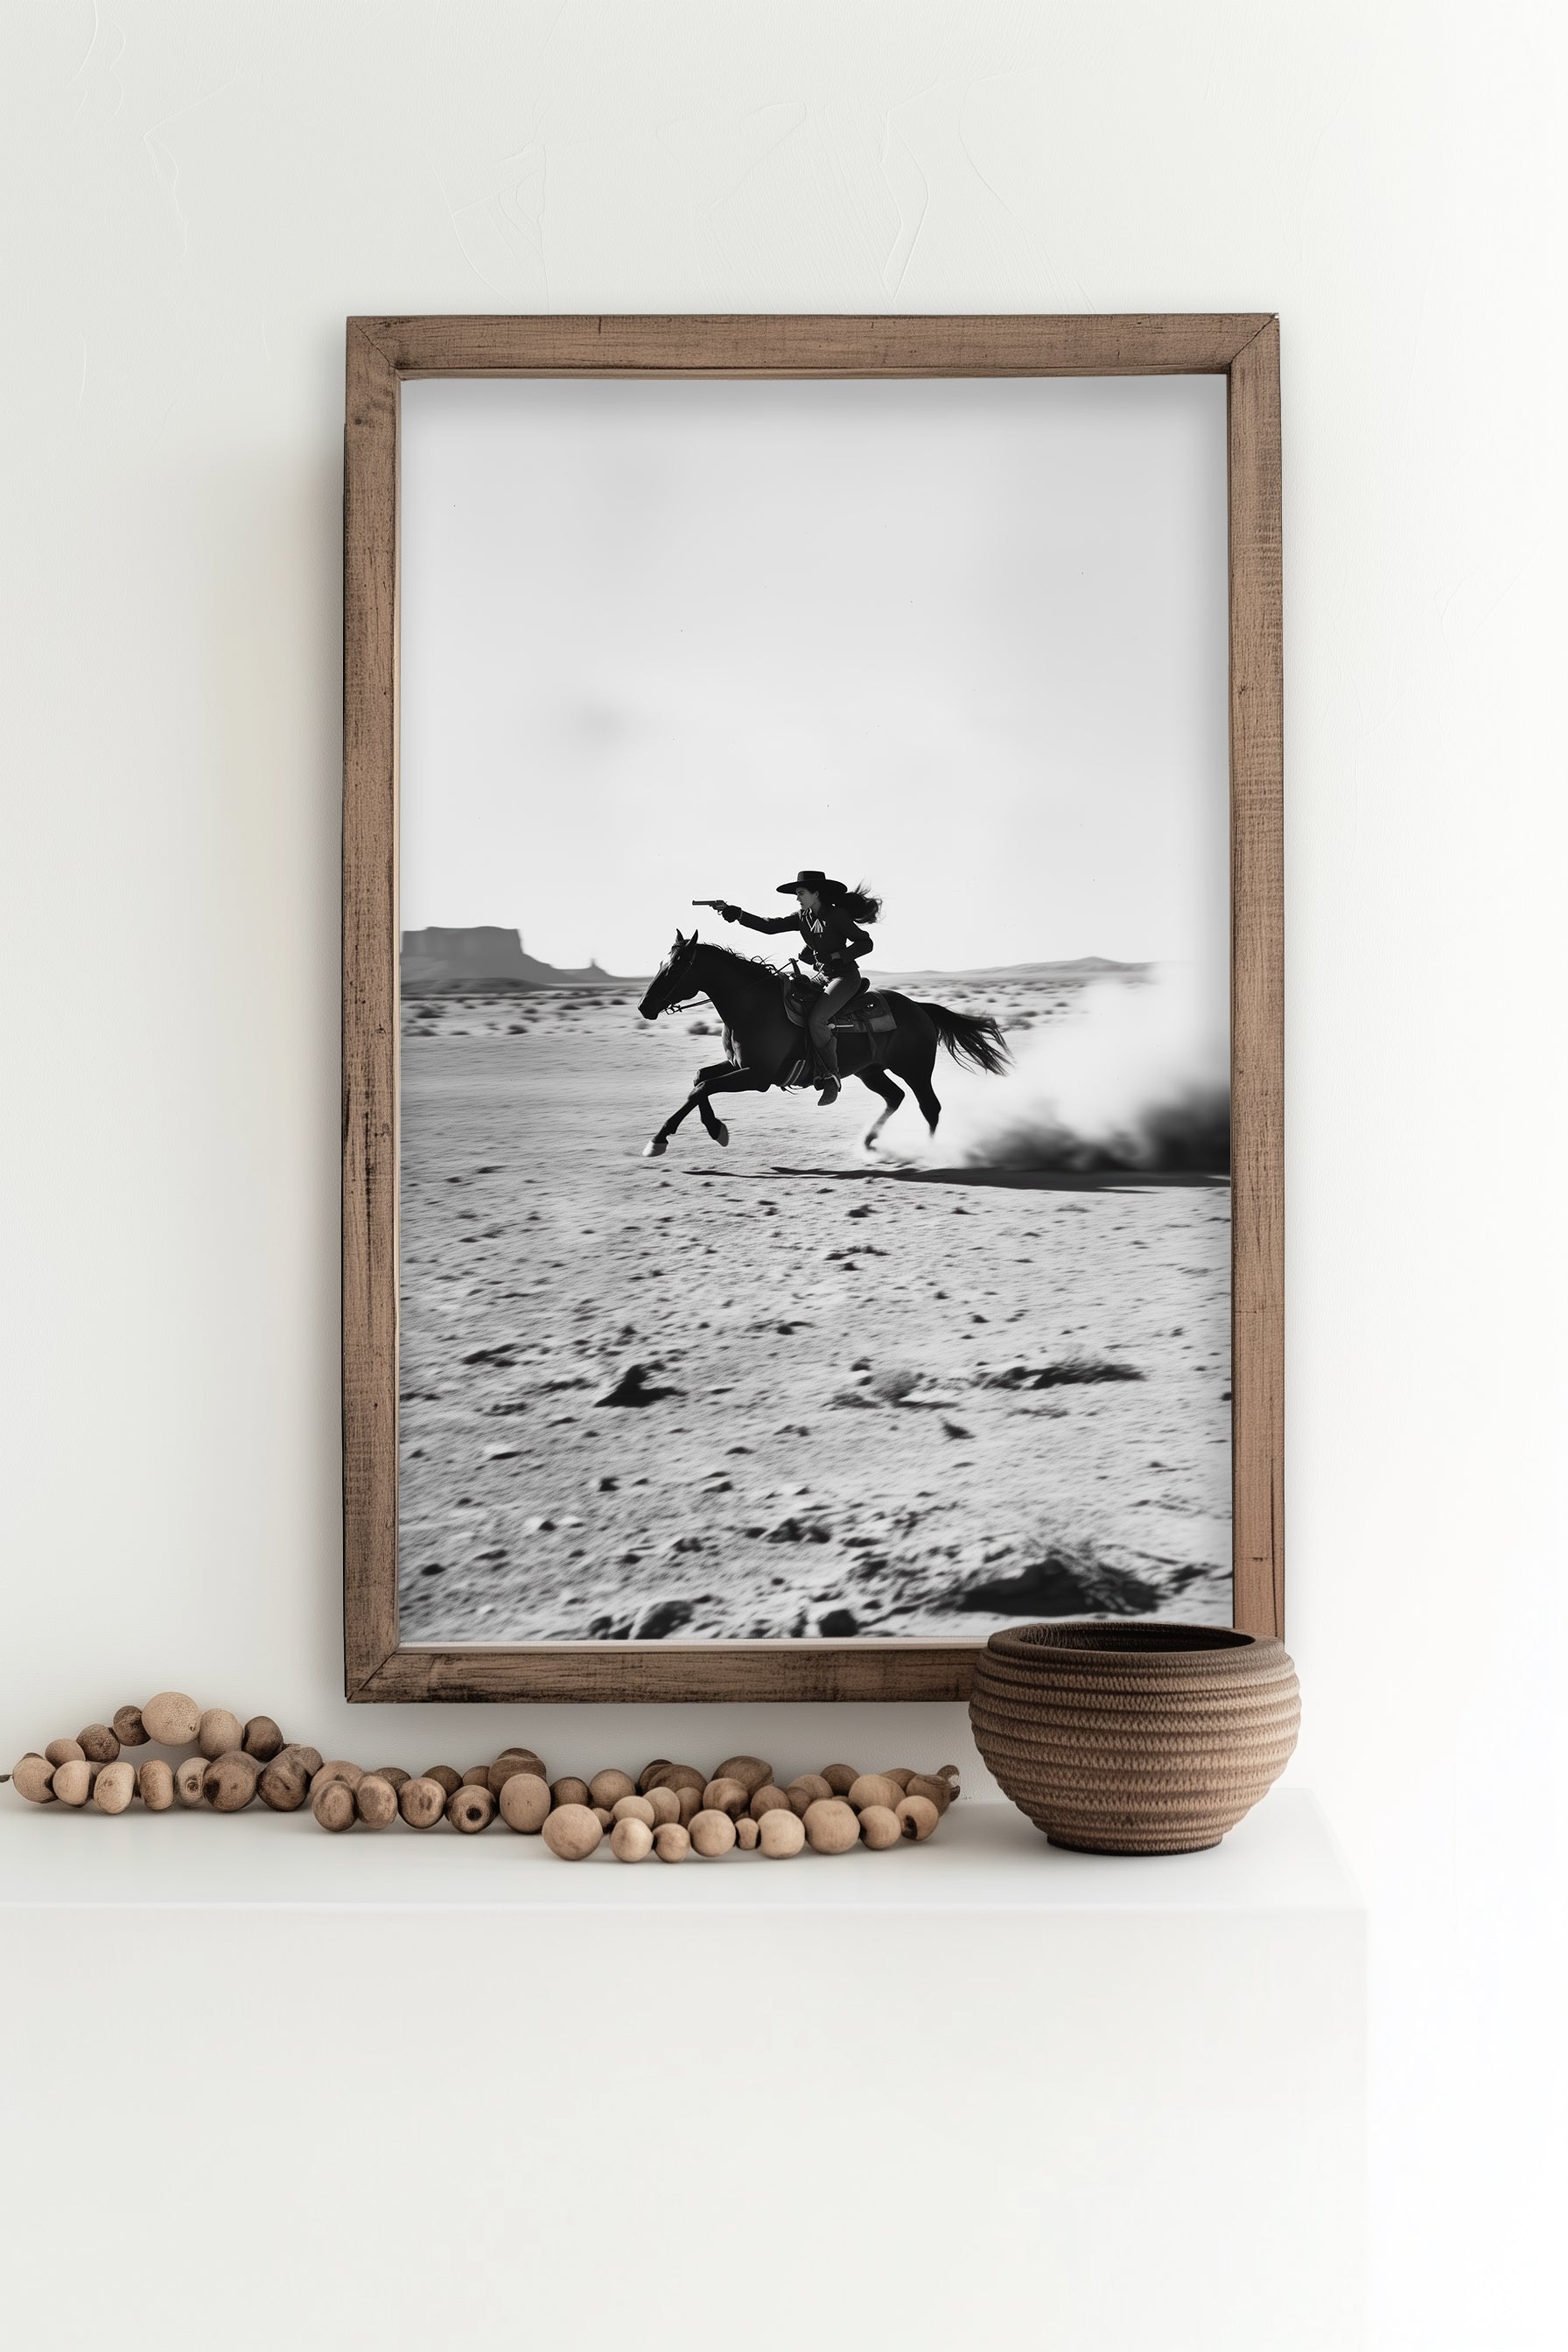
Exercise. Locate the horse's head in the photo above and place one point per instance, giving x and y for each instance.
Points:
(672, 981)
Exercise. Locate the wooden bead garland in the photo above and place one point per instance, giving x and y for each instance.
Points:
(524, 1802)
(375, 1800)
(333, 1805)
(421, 1801)
(573, 1831)
(670, 1810)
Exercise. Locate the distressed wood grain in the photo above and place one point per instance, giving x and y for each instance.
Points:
(383, 350)
(1133, 344)
(1258, 988)
(670, 1673)
(369, 1012)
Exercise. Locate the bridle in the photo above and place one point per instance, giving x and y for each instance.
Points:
(680, 1003)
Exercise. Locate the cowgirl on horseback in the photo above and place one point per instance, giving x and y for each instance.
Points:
(830, 919)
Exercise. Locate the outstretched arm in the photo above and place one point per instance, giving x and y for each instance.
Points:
(759, 922)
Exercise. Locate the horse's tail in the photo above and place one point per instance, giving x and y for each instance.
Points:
(970, 1037)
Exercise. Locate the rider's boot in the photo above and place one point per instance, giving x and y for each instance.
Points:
(828, 1070)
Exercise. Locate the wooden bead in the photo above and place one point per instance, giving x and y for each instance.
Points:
(188, 1779)
(781, 1834)
(673, 1776)
(768, 1800)
(725, 1797)
(712, 1834)
(393, 1772)
(472, 1809)
(284, 1785)
(874, 1788)
(478, 1776)
(129, 1727)
(421, 1801)
(665, 1805)
(949, 1773)
(333, 1805)
(219, 1731)
(573, 1833)
(918, 1817)
(309, 1759)
(690, 1800)
(338, 1769)
(524, 1802)
(376, 1801)
(750, 1770)
(672, 1843)
(635, 1808)
(648, 1778)
(608, 1787)
(230, 1782)
(839, 1776)
(568, 1792)
(262, 1738)
(448, 1780)
(831, 1825)
(155, 1785)
(631, 1840)
(114, 1788)
(99, 1744)
(65, 1751)
(805, 1792)
(880, 1828)
(604, 1818)
(514, 1760)
(73, 1780)
(901, 1773)
(171, 1719)
(747, 1833)
(926, 1784)
(32, 1776)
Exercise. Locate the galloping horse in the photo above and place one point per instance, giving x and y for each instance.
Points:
(766, 1046)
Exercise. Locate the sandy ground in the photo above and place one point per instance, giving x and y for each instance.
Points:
(929, 1402)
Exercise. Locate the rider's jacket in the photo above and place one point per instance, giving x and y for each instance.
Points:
(833, 940)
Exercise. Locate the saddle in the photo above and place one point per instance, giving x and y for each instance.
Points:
(869, 1015)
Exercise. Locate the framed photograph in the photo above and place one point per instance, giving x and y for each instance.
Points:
(813, 1175)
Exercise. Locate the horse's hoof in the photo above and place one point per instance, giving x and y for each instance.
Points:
(656, 1147)
(720, 1133)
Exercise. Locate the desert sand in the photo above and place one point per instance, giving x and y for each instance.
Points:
(854, 1400)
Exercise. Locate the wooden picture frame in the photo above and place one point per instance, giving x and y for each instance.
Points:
(382, 352)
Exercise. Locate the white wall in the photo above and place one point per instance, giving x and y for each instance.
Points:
(194, 197)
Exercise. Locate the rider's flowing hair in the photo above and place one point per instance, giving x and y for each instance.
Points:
(858, 905)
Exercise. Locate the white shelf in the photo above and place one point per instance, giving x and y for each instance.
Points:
(984, 1857)
(403, 2093)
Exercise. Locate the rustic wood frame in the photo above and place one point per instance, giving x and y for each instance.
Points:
(1245, 349)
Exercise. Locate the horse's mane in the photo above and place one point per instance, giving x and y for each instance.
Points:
(738, 955)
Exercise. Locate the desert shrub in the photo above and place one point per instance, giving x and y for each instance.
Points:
(1076, 1371)
(1062, 1578)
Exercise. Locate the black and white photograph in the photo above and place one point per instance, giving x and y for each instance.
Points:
(814, 954)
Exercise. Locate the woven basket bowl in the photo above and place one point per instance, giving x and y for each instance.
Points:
(1121, 1738)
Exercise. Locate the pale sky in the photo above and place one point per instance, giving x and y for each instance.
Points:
(964, 639)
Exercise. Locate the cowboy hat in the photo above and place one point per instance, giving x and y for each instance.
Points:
(811, 878)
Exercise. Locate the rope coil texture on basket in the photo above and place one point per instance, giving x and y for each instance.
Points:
(1134, 1739)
